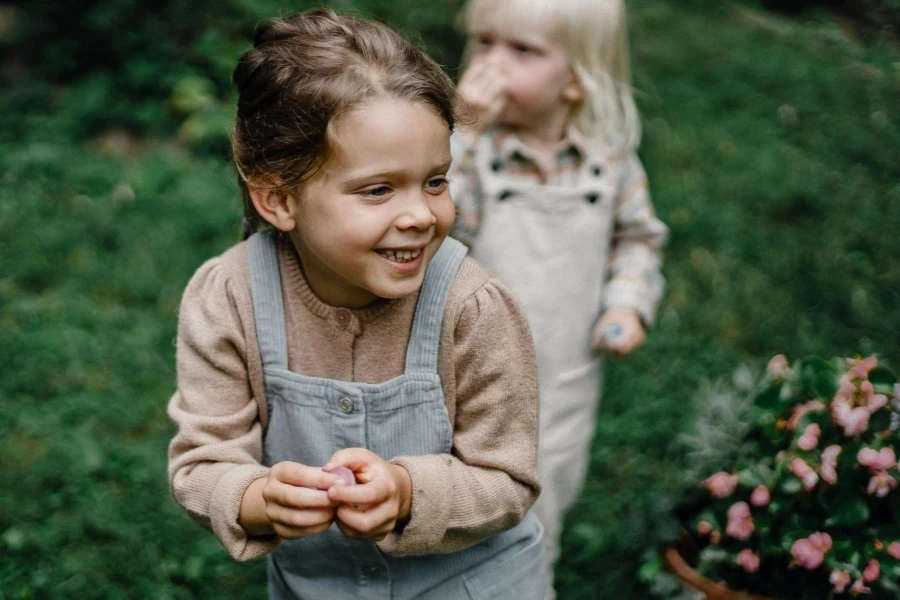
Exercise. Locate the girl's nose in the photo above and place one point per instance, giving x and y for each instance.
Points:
(417, 213)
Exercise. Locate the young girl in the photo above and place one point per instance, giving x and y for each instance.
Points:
(353, 334)
(553, 201)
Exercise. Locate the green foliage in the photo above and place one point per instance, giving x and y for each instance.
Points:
(768, 149)
(165, 67)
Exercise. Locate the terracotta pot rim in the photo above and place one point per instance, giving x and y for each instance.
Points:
(691, 577)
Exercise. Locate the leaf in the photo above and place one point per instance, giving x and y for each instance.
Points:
(847, 510)
(819, 378)
(883, 380)
(791, 485)
(769, 397)
(650, 570)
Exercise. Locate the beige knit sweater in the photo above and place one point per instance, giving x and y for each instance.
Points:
(487, 370)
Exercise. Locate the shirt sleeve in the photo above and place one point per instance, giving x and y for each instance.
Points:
(216, 452)
(635, 279)
(465, 188)
(490, 480)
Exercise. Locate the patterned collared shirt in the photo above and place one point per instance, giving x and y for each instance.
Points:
(634, 279)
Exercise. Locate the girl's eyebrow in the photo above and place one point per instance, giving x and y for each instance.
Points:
(361, 179)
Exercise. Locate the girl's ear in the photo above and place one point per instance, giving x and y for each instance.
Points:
(573, 93)
(275, 207)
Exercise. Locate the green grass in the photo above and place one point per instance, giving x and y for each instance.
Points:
(770, 146)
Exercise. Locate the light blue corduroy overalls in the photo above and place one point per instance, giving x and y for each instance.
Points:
(310, 418)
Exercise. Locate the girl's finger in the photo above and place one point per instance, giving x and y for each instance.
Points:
(297, 474)
(296, 497)
(374, 492)
(299, 519)
(377, 521)
(290, 533)
(354, 459)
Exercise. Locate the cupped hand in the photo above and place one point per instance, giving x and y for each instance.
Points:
(296, 499)
(380, 500)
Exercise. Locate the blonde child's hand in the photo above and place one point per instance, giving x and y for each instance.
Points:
(618, 332)
(372, 508)
(292, 502)
(482, 89)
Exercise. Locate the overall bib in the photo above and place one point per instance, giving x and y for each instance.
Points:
(550, 245)
(310, 418)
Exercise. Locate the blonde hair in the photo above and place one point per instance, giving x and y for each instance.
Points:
(594, 35)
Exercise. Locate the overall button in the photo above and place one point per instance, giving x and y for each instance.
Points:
(346, 405)
(371, 571)
(342, 317)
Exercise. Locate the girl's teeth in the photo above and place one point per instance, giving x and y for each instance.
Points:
(401, 255)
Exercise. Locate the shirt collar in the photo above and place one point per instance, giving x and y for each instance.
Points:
(508, 146)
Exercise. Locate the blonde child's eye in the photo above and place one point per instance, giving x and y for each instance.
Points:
(523, 49)
(484, 40)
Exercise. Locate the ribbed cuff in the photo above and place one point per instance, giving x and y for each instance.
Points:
(225, 508)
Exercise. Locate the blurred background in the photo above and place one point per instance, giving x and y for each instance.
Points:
(772, 137)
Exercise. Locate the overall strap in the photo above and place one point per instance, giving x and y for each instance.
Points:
(268, 307)
(425, 337)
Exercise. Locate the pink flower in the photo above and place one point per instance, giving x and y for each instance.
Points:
(846, 389)
(740, 523)
(881, 484)
(884, 460)
(806, 554)
(778, 366)
(859, 587)
(721, 485)
(704, 528)
(804, 473)
(821, 540)
(859, 368)
(867, 457)
(874, 402)
(829, 463)
(810, 437)
(748, 559)
(872, 571)
(894, 550)
(760, 496)
(802, 409)
(853, 420)
(840, 580)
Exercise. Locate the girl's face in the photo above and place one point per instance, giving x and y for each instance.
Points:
(372, 218)
(540, 83)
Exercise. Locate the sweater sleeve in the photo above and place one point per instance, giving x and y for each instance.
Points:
(635, 279)
(490, 480)
(217, 449)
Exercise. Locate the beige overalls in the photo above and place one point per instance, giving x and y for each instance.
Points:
(549, 245)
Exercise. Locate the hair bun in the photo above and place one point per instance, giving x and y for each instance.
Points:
(318, 23)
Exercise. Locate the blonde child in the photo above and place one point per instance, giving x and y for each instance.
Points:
(553, 201)
(353, 334)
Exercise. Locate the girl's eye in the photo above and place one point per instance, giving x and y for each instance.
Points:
(438, 184)
(523, 49)
(378, 192)
(484, 40)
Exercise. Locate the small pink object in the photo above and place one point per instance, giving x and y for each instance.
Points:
(344, 473)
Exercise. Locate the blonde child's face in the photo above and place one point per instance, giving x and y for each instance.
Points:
(371, 220)
(540, 84)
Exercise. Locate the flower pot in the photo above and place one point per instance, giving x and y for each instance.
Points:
(694, 580)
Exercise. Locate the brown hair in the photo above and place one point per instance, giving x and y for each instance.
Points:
(304, 72)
